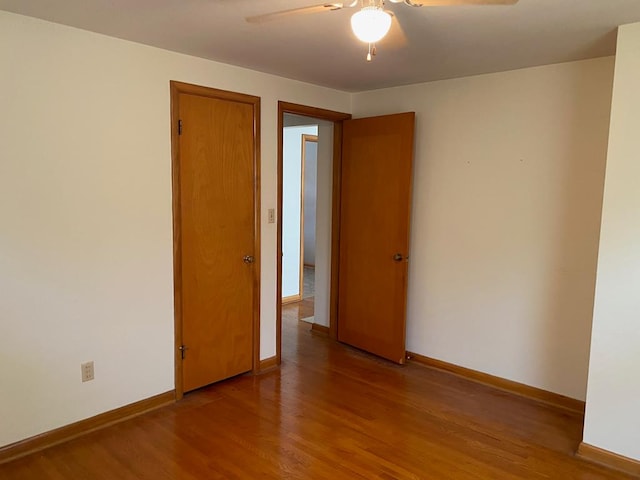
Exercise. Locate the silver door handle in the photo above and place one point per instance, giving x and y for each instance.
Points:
(248, 259)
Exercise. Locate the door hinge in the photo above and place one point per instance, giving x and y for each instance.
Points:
(183, 350)
(179, 127)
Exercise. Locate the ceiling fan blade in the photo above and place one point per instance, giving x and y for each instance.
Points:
(267, 17)
(449, 3)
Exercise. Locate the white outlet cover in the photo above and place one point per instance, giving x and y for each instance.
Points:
(87, 371)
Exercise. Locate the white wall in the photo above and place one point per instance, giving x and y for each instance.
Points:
(324, 207)
(310, 194)
(291, 206)
(506, 206)
(612, 419)
(85, 209)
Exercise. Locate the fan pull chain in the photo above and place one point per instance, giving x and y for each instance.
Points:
(372, 52)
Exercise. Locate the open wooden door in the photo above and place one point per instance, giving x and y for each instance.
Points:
(377, 157)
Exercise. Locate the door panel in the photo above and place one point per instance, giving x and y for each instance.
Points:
(217, 208)
(377, 157)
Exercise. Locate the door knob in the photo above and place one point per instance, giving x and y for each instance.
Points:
(248, 259)
(397, 257)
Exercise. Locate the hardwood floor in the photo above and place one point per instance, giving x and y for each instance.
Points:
(291, 314)
(330, 412)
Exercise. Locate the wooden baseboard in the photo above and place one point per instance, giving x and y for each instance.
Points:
(268, 364)
(608, 459)
(77, 429)
(521, 389)
(320, 329)
(291, 299)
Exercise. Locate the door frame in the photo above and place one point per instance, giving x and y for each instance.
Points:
(185, 88)
(304, 138)
(337, 118)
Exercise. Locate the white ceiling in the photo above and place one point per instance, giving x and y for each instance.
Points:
(441, 42)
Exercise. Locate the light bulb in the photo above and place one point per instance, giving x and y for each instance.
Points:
(370, 24)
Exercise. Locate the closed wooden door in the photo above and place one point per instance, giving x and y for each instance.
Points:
(217, 215)
(377, 157)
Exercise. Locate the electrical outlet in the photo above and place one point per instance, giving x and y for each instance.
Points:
(272, 215)
(87, 371)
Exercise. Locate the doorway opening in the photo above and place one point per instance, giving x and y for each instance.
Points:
(306, 223)
(362, 239)
(308, 161)
(299, 207)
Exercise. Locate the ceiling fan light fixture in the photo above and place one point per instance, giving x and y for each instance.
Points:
(370, 24)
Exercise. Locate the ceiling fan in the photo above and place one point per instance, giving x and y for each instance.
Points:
(371, 22)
